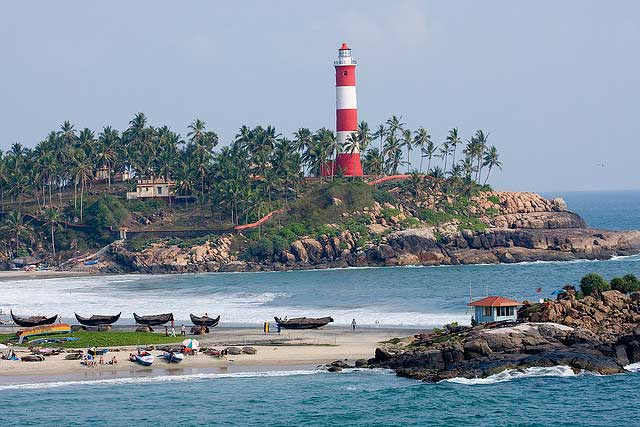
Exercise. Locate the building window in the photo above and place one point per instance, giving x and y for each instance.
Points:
(505, 311)
(487, 311)
(159, 190)
(345, 73)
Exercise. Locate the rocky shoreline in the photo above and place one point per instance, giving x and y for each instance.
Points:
(521, 227)
(596, 334)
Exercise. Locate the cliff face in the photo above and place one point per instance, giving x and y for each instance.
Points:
(517, 227)
(596, 334)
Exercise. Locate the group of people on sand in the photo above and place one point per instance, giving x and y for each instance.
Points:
(183, 329)
(90, 361)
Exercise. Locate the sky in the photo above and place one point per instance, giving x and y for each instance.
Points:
(555, 84)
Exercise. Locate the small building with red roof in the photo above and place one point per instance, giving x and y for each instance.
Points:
(495, 309)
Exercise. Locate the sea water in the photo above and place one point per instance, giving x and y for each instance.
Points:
(421, 297)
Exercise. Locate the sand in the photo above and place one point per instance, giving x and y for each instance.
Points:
(41, 274)
(290, 349)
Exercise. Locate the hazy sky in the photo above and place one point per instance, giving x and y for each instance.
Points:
(555, 83)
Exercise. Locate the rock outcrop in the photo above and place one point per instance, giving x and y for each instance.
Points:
(594, 334)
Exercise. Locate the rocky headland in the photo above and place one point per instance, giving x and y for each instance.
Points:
(516, 227)
(597, 334)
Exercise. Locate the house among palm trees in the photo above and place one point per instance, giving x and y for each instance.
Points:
(154, 188)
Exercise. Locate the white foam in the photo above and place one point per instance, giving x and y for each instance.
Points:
(634, 367)
(514, 374)
(182, 378)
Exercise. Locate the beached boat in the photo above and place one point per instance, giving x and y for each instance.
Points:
(205, 320)
(97, 319)
(303, 322)
(172, 357)
(154, 319)
(60, 328)
(98, 351)
(145, 358)
(32, 321)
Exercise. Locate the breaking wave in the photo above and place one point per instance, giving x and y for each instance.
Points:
(515, 374)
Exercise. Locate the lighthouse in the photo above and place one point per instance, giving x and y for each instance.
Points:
(346, 113)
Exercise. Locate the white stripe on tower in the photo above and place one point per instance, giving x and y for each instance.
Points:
(346, 98)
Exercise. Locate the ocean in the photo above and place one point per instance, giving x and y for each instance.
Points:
(389, 297)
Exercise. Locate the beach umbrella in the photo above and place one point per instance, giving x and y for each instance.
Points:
(191, 343)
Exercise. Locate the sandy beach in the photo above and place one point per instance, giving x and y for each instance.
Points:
(288, 350)
(43, 274)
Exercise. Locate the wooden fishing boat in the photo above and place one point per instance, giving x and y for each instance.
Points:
(303, 322)
(205, 320)
(98, 351)
(98, 319)
(32, 321)
(145, 358)
(154, 319)
(172, 357)
(60, 328)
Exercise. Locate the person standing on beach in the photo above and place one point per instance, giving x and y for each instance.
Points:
(183, 331)
(173, 331)
(353, 325)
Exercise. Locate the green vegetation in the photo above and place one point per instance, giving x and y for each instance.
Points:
(494, 199)
(626, 284)
(79, 177)
(593, 284)
(104, 339)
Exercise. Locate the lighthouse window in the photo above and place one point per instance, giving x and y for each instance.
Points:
(344, 73)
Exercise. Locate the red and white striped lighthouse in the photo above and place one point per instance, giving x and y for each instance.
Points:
(346, 111)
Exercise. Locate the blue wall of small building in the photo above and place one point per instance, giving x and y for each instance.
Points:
(481, 318)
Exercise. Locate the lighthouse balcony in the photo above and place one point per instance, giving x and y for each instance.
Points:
(345, 61)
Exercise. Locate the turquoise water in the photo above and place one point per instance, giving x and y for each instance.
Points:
(392, 296)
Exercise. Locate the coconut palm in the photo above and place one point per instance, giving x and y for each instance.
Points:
(421, 140)
(407, 142)
(429, 151)
(364, 136)
(392, 153)
(15, 224)
(53, 220)
(453, 140)
(445, 150)
(381, 132)
(491, 160)
(373, 162)
(395, 124)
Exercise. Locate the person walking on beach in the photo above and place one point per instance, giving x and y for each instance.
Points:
(183, 331)
(173, 331)
(353, 325)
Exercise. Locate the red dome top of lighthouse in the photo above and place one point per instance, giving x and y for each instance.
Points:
(344, 47)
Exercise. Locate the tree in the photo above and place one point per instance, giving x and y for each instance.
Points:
(372, 162)
(422, 140)
(429, 151)
(626, 284)
(491, 160)
(393, 154)
(15, 224)
(453, 140)
(53, 220)
(395, 124)
(593, 284)
(407, 142)
(445, 150)
(381, 132)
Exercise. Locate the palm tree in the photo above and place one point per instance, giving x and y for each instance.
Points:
(381, 132)
(429, 151)
(421, 140)
(372, 162)
(445, 150)
(53, 220)
(364, 136)
(453, 140)
(407, 142)
(491, 159)
(82, 172)
(15, 224)
(395, 124)
(393, 154)
(107, 154)
(481, 139)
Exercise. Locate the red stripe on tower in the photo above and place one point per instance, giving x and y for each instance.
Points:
(346, 113)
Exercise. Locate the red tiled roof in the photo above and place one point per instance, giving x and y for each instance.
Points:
(494, 301)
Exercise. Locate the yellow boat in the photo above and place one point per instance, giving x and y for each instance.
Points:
(60, 328)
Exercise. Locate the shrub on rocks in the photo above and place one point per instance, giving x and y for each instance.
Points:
(594, 284)
(626, 284)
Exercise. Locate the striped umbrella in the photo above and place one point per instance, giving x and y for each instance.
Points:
(191, 343)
